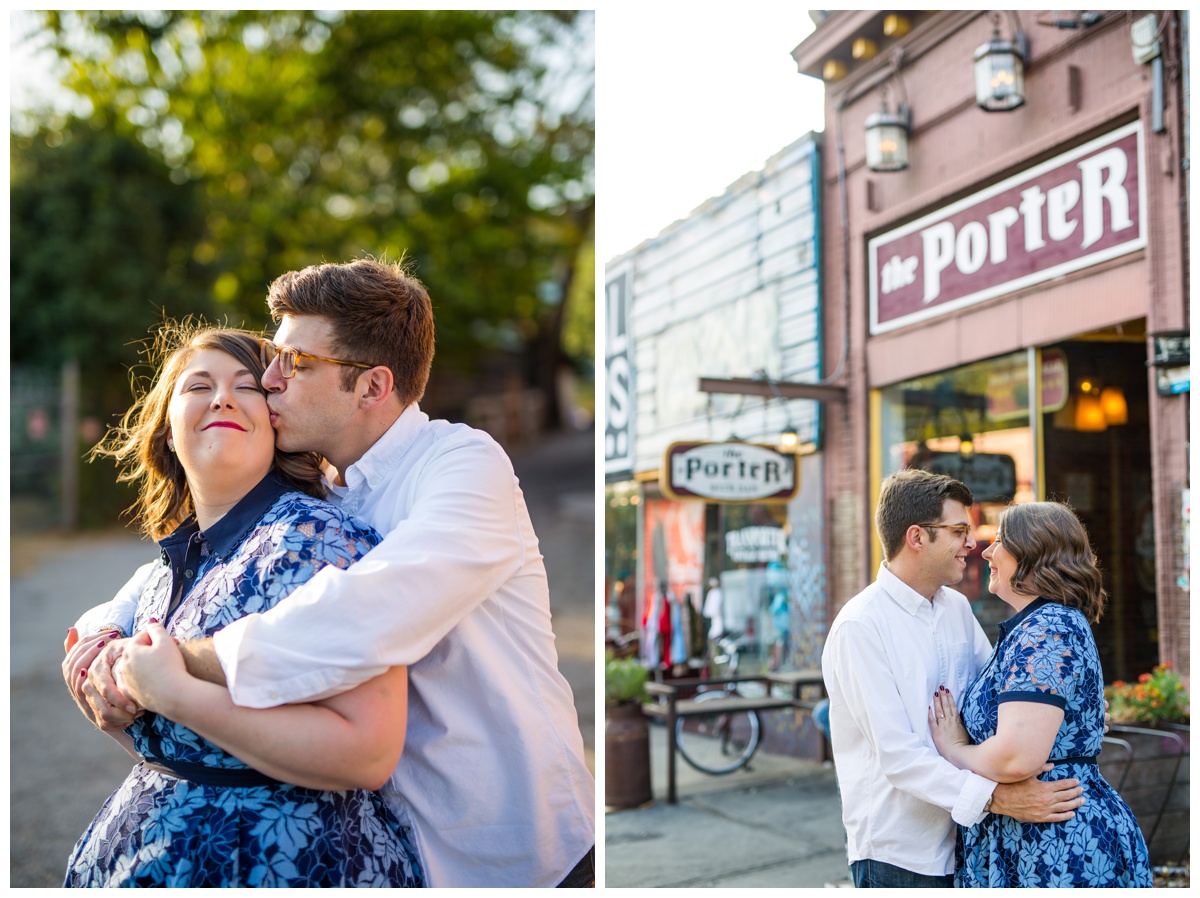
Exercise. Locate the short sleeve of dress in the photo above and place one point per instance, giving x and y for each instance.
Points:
(1043, 660)
(318, 535)
(295, 538)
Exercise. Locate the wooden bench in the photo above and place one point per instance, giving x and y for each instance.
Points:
(671, 708)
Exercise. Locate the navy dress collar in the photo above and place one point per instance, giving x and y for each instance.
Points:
(186, 546)
(1006, 626)
(225, 535)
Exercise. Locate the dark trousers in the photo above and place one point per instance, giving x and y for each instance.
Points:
(584, 874)
(878, 875)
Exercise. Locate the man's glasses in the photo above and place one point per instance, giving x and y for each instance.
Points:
(962, 531)
(268, 351)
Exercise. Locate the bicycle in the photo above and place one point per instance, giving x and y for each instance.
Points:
(723, 741)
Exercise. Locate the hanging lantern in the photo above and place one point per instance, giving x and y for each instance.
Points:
(1000, 73)
(887, 139)
(789, 439)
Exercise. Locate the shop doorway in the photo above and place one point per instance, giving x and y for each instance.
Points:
(1099, 461)
(747, 549)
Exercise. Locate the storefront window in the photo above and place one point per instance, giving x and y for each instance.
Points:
(971, 423)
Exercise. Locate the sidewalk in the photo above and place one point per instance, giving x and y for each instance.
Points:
(778, 824)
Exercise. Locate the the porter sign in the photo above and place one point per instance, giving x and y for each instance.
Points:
(1073, 211)
(729, 472)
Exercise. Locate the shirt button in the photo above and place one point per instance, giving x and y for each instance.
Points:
(188, 574)
(272, 694)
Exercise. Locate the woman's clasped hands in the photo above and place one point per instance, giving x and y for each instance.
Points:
(151, 669)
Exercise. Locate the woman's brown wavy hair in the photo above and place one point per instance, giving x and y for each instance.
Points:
(1054, 558)
(139, 442)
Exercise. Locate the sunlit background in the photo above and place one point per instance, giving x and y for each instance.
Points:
(175, 163)
(690, 101)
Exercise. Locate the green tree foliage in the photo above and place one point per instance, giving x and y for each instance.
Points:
(461, 139)
(101, 250)
(101, 243)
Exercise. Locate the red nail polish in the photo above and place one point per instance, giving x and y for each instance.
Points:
(83, 673)
(154, 620)
(100, 644)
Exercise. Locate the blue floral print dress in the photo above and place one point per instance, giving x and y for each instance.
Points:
(1046, 653)
(193, 815)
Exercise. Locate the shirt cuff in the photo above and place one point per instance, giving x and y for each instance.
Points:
(90, 623)
(968, 809)
(227, 643)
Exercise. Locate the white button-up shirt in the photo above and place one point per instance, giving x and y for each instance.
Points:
(887, 652)
(493, 778)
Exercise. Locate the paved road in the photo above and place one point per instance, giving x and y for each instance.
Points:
(559, 481)
(62, 770)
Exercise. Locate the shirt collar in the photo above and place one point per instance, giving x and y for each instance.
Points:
(900, 592)
(225, 535)
(181, 535)
(1006, 626)
(385, 454)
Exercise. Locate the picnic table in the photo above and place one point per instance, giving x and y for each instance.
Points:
(675, 704)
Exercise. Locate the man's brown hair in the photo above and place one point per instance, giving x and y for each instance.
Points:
(912, 497)
(380, 315)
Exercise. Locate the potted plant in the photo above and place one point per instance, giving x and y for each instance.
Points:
(1157, 697)
(1151, 718)
(626, 733)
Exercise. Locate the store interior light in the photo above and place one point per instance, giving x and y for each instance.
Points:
(1000, 70)
(1116, 411)
(1089, 414)
(1093, 409)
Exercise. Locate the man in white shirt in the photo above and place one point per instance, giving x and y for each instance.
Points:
(889, 649)
(493, 779)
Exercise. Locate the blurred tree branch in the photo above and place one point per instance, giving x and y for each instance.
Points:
(464, 139)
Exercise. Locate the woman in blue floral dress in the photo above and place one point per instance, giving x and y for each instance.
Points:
(228, 796)
(1041, 697)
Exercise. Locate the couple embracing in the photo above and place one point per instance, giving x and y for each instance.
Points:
(341, 669)
(960, 764)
